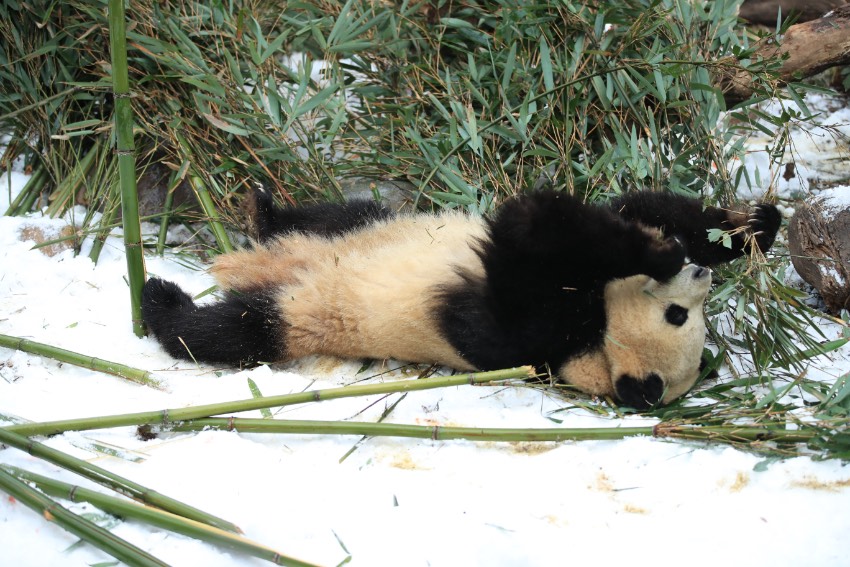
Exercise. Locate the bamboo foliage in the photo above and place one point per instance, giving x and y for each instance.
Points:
(126, 162)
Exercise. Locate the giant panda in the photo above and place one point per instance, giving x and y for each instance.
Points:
(600, 295)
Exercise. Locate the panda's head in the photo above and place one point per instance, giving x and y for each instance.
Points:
(655, 335)
(653, 341)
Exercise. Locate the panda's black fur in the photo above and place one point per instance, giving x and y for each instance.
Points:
(526, 286)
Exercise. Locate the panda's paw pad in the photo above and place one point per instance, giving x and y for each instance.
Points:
(665, 258)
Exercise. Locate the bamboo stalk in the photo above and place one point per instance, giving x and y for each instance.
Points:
(736, 433)
(79, 526)
(434, 432)
(32, 197)
(168, 416)
(165, 520)
(33, 186)
(127, 163)
(113, 481)
(84, 361)
(206, 202)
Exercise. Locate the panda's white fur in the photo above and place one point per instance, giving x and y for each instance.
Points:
(368, 296)
(599, 295)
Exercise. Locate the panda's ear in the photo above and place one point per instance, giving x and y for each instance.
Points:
(640, 394)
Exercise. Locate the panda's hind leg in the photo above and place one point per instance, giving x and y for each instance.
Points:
(270, 221)
(243, 329)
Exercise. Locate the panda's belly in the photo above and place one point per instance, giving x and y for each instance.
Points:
(372, 295)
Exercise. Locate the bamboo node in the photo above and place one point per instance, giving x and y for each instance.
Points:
(435, 433)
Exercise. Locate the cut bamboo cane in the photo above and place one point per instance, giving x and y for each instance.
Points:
(92, 363)
(80, 527)
(112, 480)
(168, 416)
(165, 520)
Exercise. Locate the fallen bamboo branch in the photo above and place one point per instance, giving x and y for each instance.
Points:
(732, 433)
(84, 361)
(167, 417)
(165, 520)
(113, 481)
(77, 525)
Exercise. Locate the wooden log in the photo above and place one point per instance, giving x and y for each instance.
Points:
(764, 12)
(819, 242)
(811, 47)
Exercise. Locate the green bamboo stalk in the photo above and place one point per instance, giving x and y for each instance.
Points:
(32, 196)
(113, 481)
(206, 202)
(127, 162)
(435, 432)
(732, 433)
(33, 186)
(92, 363)
(165, 520)
(79, 526)
(168, 416)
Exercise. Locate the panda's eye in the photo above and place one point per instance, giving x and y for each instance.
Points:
(676, 315)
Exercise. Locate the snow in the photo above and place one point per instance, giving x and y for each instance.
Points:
(391, 501)
(818, 153)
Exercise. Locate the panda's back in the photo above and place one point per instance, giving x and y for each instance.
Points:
(373, 293)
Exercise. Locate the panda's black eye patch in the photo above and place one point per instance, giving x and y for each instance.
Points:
(676, 315)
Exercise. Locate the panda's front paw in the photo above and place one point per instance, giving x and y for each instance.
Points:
(764, 223)
(664, 259)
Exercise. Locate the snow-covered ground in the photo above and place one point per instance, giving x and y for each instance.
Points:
(392, 501)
